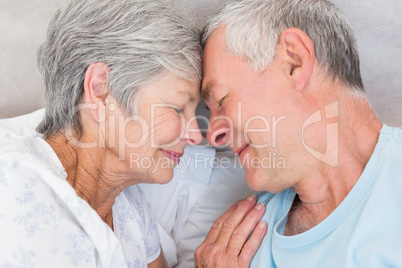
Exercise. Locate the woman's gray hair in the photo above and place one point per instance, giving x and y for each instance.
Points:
(253, 28)
(139, 40)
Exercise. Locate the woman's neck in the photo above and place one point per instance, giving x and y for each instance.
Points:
(90, 175)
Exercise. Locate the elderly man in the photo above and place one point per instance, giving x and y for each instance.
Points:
(282, 81)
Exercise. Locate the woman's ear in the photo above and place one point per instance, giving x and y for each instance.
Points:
(299, 57)
(96, 90)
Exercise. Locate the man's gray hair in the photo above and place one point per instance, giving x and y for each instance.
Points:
(139, 40)
(253, 28)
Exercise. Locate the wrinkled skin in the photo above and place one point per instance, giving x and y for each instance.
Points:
(226, 244)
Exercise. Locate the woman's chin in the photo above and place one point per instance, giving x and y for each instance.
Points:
(162, 175)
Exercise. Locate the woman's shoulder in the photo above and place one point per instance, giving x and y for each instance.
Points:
(27, 158)
(28, 150)
(30, 179)
(39, 207)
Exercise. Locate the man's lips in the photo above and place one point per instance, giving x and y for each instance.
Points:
(174, 156)
(238, 152)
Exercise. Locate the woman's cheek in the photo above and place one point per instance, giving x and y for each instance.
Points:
(135, 132)
(168, 128)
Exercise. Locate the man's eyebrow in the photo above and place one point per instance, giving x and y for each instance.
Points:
(206, 91)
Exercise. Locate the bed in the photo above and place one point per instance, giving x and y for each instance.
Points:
(187, 206)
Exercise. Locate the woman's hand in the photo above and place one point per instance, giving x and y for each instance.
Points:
(227, 243)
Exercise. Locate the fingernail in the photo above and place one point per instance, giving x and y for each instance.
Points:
(251, 197)
(260, 206)
(261, 224)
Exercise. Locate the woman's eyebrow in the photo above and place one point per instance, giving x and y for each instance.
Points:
(190, 96)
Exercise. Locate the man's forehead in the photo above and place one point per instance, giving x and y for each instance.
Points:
(217, 40)
(214, 52)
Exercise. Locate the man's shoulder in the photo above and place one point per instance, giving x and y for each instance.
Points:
(390, 148)
(391, 134)
(267, 197)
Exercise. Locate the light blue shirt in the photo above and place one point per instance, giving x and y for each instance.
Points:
(365, 230)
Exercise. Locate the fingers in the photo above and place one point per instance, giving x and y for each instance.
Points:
(251, 246)
(226, 244)
(235, 219)
(201, 255)
(243, 231)
(216, 228)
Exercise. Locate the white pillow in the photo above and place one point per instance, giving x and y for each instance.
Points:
(227, 184)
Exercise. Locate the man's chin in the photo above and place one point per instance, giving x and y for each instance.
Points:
(255, 181)
(258, 180)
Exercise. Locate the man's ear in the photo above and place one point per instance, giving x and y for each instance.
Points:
(299, 55)
(96, 90)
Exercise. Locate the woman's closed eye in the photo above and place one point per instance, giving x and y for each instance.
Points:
(178, 111)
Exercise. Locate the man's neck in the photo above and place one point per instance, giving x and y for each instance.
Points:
(320, 192)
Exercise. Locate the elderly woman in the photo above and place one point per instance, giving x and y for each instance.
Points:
(122, 83)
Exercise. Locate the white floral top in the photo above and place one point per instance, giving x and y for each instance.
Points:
(45, 224)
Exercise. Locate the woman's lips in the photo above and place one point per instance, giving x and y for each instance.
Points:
(174, 156)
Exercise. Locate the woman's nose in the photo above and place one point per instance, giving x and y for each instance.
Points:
(193, 134)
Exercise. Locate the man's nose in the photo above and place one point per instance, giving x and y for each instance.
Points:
(218, 133)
